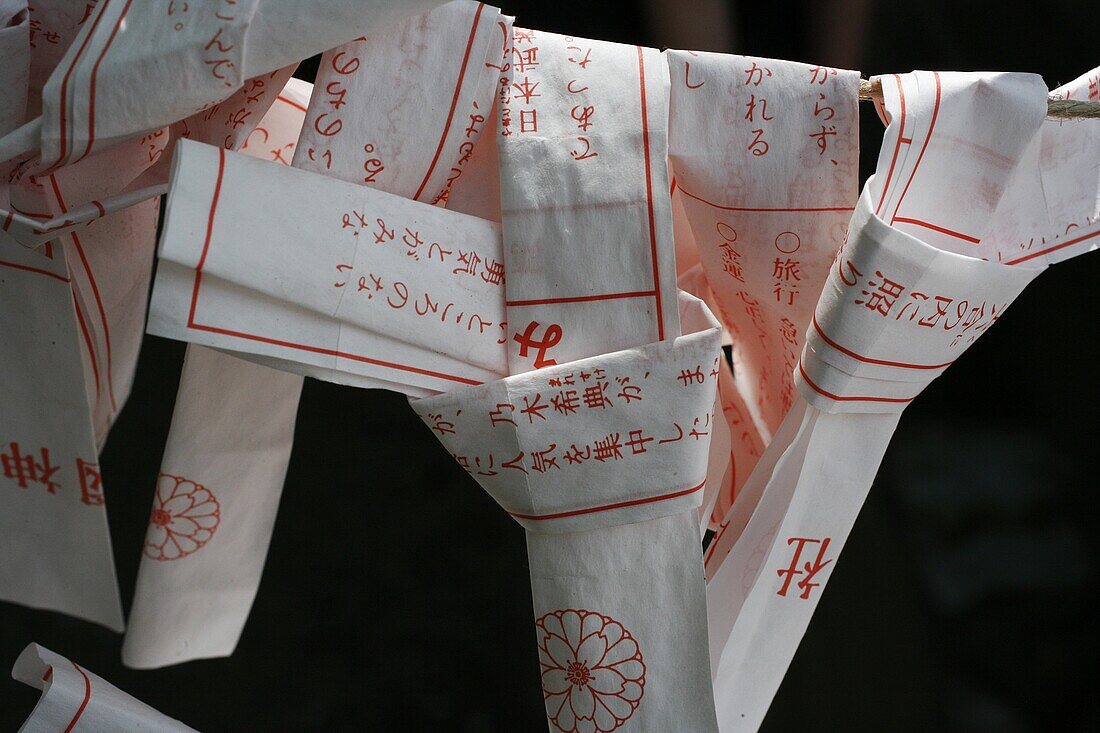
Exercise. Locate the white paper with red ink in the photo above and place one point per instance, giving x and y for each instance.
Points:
(220, 478)
(570, 445)
(196, 607)
(1058, 170)
(370, 283)
(765, 155)
(419, 135)
(76, 699)
(905, 297)
(55, 549)
(87, 101)
(200, 65)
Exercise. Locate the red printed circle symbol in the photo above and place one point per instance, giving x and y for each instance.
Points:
(593, 675)
(788, 242)
(184, 517)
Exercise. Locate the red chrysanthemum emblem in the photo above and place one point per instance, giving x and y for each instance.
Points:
(185, 515)
(593, 675)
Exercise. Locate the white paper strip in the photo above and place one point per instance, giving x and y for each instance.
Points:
(75, 699)
(221, 476)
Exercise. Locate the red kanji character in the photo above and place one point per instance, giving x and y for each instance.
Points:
(883, 298)
(23, 468)
(565, 402)
(526, 58)
(494, 272)
(806, 584)
(515, 463)
(470, 260)
(571, 90)
(637, 442)
(497, 415)
(523, 35)
(788, 331)
(595, 395)
(527, 89)
(534, 409)
(91, 485)
(786, 270)
(608, 449)
(731, 261)
(528, 120)
(542, 460)
(759, 146)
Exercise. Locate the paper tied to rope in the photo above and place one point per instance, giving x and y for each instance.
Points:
(369, 284)
(613, 439)
(75, 699)
(906, 295)
(895, 313)
(205, 52)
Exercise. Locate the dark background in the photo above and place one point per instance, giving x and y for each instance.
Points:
(396, 593)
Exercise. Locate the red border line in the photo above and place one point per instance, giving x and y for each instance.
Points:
(649, 198)
(581, 298)
(937, 228)
(869, 360)
(87, 341)
(65, 82)
(608, 507)
(277, 342)
(87, 698)
(28, 268)
(95, 292)
(291, 102)
(95, 72)
(1055, 248)
(454, 102)
(838, 398)
(209, 234)
(897, 148)
(681, 189)
(927, 139)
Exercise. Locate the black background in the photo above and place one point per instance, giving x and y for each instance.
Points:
(396, 594)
